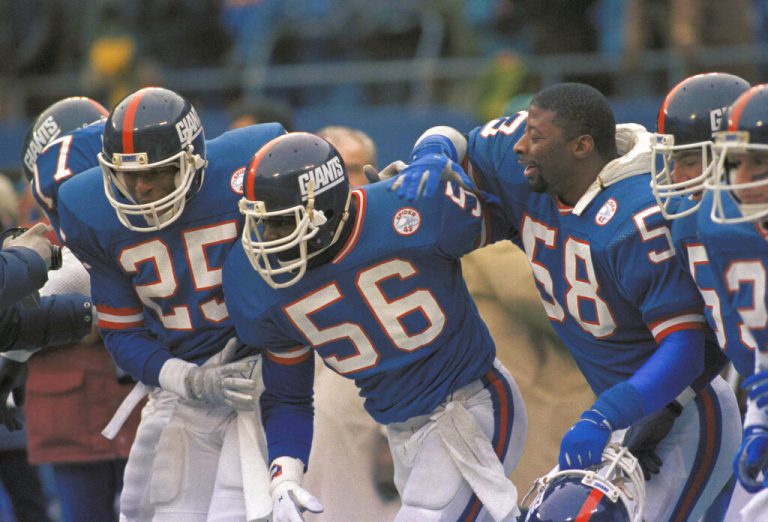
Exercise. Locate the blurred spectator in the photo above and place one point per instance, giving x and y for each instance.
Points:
(115, 64)
(252, 26)
(504, 79)
(356, 148)
(346, 437)
(682, 26)
(560, 26)
(260, 110)
(182, 34)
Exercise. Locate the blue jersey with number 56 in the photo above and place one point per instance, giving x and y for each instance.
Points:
(390, 311)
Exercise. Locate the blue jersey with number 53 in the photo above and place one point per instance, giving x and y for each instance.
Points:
(721, 316)
(739, 255)
(608, 278)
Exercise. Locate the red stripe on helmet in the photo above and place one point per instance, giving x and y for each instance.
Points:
(588, 508)
(254, 165)
(661, 119)
(128, 121)
(99, 107)
(740, 104)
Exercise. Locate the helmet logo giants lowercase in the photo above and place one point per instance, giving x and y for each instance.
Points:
(188, 128)
(327, 175)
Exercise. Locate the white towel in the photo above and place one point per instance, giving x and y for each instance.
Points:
(633, 142)
(473, 455)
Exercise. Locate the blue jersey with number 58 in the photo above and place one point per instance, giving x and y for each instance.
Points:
(608, 278)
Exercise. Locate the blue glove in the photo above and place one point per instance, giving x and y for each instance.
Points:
(583, 445)
(752, 458)
(757, 386)
(423, 175)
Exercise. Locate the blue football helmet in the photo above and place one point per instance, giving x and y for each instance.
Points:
(296, 201)
(58, 119)
(745, 134)
(687, 120)
(613, 492)
(150, 129)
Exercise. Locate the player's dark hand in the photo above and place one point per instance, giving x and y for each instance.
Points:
(644, 436)
(13, 377)
(393, 169)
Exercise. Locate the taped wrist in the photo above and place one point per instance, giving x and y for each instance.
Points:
(284, 470)
(621, 405)
(755, 416)
(443, 140)
(174, 376)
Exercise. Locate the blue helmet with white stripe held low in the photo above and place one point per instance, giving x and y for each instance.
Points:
(149, 130)
(612, 492)
(296, 201)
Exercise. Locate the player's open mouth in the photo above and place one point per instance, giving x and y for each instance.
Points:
(530, 169)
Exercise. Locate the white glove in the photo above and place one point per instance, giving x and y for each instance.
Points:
(34, 239)
(233, 384)
(289, 499)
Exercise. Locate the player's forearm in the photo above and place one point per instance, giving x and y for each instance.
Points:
(287, 408)
(677, 362)
(673, 367)
(138, 352)
(22, 272)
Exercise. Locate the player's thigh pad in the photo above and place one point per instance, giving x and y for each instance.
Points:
(185, 468)
(425, 474)
(134, 498)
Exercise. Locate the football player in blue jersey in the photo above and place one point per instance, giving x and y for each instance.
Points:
(737, 197)
(374, 286)
(682, 162)
(152, 224)
(575, 188)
